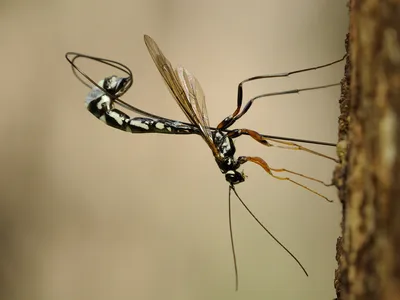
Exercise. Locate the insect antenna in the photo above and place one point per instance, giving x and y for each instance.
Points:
(231, 187)
(231, 236)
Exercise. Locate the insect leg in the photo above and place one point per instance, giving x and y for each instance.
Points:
(228, 121)
(266, 141)
(259, 161)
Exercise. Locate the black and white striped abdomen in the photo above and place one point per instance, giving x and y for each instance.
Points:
(103, 108)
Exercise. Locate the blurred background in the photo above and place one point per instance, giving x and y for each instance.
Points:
(89, 212)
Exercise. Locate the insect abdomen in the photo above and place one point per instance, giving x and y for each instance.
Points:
(103, 109)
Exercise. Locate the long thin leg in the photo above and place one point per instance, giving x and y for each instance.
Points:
(72, 57)
(295, 91)
(265, 141)
(228, 121)
(259, 161)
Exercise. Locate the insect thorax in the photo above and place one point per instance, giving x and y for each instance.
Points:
(226, 160)
(224, 143)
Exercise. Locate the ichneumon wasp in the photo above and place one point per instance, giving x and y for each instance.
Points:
(189, 95)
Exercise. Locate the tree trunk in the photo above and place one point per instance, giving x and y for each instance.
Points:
(368, 177)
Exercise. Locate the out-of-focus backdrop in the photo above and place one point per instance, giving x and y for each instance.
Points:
(89, 212)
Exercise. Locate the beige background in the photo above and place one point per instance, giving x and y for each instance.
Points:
(88, 212)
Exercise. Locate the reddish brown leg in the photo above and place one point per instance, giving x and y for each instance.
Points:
(266, 141)
(259, 161)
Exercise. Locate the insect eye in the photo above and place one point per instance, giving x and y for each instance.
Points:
(234, 177)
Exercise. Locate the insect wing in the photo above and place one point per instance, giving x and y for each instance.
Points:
(174, 85)
(167, 72)
(195, 96)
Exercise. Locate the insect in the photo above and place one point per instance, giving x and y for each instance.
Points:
(187, 92)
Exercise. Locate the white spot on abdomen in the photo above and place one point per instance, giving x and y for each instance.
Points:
(117, 117)
(139, 124)
(104, 100)
(160, 125)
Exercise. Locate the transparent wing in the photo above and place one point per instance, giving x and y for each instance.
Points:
(195, 95)
(190, 107)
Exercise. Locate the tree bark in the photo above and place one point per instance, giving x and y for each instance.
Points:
(368, 178)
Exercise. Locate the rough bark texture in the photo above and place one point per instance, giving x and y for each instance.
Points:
(341, 171)
(368, 178)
